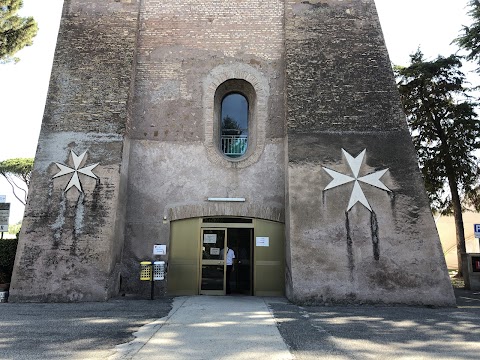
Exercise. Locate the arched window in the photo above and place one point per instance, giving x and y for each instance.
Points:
(234, 115)
(235, 78)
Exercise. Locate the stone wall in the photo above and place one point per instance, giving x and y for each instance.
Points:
(340, 94)
(187, 48)
(71, 241)
(133, 86)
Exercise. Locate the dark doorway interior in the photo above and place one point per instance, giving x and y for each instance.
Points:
(241, 240)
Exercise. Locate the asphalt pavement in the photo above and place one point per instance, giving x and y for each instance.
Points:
(205, 327)
(74, 330)
(382, 332)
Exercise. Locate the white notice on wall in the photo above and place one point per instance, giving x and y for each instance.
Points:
(159, 249)
(263, 241)
(209, 238)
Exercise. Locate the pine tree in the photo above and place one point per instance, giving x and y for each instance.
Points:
(445, 132)
(15, 32)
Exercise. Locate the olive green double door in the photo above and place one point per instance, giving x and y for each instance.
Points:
(197, 257)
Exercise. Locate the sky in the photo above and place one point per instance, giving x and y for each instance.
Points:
(406, 24)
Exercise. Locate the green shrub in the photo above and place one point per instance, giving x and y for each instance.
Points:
(8, 248)
(14, 229)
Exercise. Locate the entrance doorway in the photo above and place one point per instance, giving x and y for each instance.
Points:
(216, 277)
(197, 263)
(241, 241)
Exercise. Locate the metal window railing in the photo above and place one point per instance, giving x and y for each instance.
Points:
(233, 145)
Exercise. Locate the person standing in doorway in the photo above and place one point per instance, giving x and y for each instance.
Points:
(230, 255)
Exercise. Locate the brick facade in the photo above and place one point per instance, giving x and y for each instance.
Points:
(133, 84)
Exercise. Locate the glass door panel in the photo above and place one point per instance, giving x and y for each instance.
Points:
(212, 280)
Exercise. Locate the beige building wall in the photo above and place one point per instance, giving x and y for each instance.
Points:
(447, 233)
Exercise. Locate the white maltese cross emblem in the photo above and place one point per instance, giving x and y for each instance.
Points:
(75, 181)
(357, 192)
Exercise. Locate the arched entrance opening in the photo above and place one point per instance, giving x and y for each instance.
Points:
(198, 257)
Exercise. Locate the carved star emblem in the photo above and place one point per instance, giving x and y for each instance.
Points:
(75, 181)
(357, 192)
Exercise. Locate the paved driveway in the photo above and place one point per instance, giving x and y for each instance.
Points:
(94, 330)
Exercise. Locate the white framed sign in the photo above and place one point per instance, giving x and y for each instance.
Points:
(209, 238)
(159, 249)
(262, 241)
(4, 215)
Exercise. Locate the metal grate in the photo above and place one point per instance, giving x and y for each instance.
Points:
(234, 145)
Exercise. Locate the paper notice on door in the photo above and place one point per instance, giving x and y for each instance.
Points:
(209, 238)
(214, 251)
(262, 241)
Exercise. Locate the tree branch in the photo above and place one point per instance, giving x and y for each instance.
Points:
(14, 187)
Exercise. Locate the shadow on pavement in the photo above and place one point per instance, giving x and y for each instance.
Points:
(73, 330)
(380, 332)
